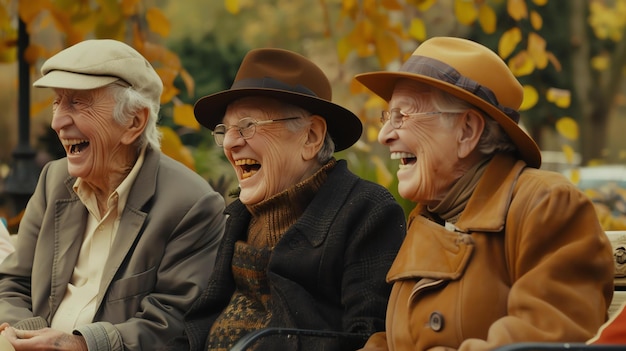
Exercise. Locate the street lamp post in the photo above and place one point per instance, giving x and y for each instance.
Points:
(20, 183)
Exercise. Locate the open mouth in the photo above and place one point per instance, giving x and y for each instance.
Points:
(75, 146)
(406, 159)
(248, 167)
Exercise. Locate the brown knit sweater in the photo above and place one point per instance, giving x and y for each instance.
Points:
(250, 307)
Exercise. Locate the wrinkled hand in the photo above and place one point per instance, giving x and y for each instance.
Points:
(42, 339)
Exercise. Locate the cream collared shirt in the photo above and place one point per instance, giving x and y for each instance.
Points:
(79, 303)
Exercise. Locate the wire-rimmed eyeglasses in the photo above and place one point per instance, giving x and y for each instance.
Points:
(397, 116)
(246, 128)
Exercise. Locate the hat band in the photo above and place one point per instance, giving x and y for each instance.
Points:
(270, 83)
(433, 68)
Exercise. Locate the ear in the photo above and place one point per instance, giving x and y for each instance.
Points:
(471, 126)
(314, 138)
(136, 126)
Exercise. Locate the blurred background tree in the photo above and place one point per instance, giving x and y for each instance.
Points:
(569, 55)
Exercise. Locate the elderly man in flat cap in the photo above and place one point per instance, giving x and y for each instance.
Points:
(117, 239)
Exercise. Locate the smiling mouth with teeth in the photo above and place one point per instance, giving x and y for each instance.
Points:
(404, 157)
(75, 146)
(248, 166)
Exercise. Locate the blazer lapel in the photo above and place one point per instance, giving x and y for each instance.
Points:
(69, 229)
(133, 218)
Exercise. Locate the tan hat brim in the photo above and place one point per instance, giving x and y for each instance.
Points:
(383, 83)
(70, 80)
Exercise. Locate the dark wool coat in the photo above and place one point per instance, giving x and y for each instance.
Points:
(327, 272)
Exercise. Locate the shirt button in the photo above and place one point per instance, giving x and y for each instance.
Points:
(436, 321)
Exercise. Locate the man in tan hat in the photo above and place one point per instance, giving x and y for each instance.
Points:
(497, 251)
(307, 243)
(117, 239)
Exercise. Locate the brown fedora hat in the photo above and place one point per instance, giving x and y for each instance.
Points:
(471, 72)
(290, 77)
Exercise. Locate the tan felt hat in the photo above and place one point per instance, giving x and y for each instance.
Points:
(469, 71)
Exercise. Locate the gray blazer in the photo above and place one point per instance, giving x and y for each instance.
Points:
(161, 258)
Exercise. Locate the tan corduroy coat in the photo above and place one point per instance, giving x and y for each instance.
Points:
(530, 263)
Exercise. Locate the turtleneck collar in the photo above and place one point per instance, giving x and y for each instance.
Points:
(272, 217)
(450, 208)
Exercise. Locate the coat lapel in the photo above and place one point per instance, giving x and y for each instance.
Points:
(69, 229)
(448, 252)
(133, 218)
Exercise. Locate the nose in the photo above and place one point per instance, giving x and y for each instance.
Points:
(60, 120)
(232, 139)
(387, 134)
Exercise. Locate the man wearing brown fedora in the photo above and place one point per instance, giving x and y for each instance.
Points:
(307, 243)
(497, 251)
(117, 238)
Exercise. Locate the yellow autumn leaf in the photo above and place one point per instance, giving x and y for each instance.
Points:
(232, 6)
(375, 103)
(30, 9)
(531, 96)
(174, 148)
(560, 97)
(569, 153)
(537, 50)
(387, 48)
(465, 12)
(517, 9)
(600, 62)
(372, 134)
(423, 5)
(487, 18)
(568, 128)
(522, 64)
(536, 20)
(540, 2)
(344, 48)
(169, 92)
(574, 176)
(157, 22)
(383, 176)
(183, 116)
(391, 5)
(129, 7)
(417, 30)
(360, 38)
(508, 42)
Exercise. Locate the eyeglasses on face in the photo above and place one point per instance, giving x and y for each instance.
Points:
(397, 116)
(246, 128)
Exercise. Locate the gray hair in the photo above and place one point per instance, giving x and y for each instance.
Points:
(288, 110)
(128, 101)
(493, 139)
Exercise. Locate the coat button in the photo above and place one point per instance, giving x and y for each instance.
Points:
(436, 321)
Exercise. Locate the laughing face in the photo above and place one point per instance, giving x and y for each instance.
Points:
(426, 146)
(97, 147)
(273, 159)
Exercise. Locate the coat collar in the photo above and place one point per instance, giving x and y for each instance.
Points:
(449, 252)
(487, 208)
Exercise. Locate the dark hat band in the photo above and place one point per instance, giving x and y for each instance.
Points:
(433, 68)
(271, 83)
